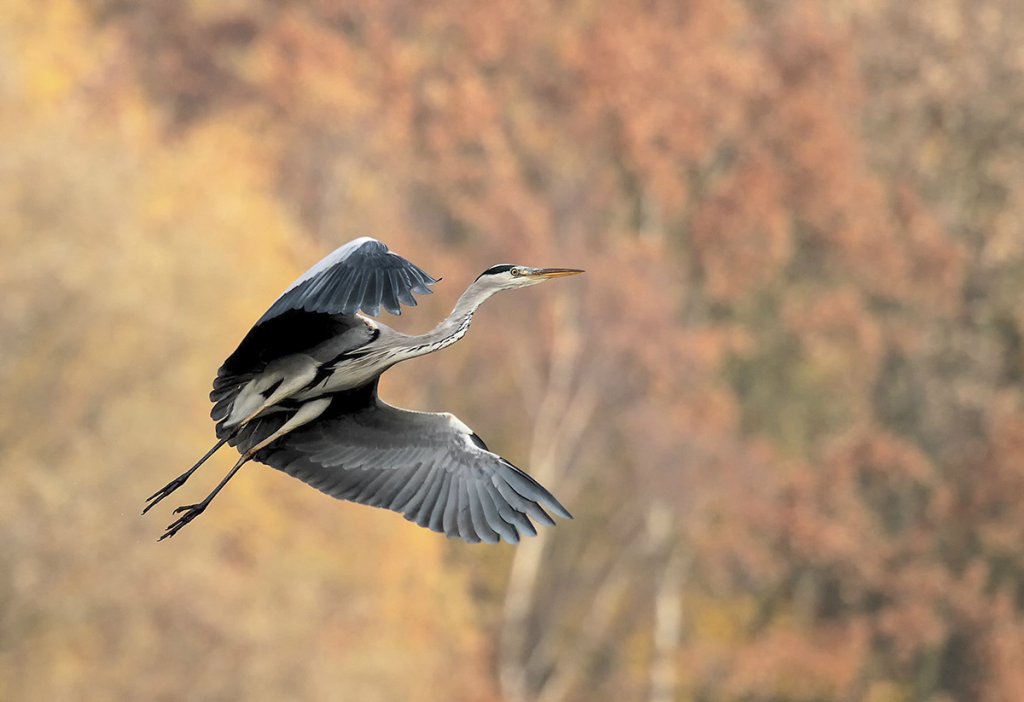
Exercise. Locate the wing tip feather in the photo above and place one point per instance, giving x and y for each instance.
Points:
(362, 274)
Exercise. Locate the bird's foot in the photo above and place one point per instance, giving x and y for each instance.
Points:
(188, 513)
(163, 492)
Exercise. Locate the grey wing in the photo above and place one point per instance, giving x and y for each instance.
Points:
(430, 467)
(361, 275)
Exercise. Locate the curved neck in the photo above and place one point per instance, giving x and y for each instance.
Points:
(454, 326)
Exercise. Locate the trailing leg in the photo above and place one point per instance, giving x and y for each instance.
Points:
(193, 511)
(306, 413)
(180, 480)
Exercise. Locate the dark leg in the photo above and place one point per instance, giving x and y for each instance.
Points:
(193, 511)
(180, 480)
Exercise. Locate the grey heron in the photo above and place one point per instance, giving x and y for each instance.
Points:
(299, 394)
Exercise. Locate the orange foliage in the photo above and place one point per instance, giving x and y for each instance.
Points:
(785, 401)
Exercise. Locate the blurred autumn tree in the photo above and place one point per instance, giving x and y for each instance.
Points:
(785, 405)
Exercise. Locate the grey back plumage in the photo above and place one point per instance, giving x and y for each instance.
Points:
(429, 467)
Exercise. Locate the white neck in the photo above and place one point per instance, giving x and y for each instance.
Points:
(454, 326)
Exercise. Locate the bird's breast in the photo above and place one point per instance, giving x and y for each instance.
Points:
(345, 374)
(357, 368)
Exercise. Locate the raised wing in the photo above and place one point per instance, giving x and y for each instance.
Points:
(430, 467)
(361, 275)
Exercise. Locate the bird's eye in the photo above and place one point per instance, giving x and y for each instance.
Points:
(515, 272)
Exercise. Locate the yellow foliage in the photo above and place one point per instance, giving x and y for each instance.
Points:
(48, 49)
(798, 341)
(135, 264)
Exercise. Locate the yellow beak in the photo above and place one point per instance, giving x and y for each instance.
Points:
(549, 273)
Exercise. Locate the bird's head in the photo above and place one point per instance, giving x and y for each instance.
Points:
(506, 276)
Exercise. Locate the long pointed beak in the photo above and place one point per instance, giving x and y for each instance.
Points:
(549, 273)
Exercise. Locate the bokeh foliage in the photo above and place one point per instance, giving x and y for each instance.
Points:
(785, 403)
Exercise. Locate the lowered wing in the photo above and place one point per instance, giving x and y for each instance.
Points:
(430, 467)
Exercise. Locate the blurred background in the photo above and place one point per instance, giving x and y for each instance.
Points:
(784, 404)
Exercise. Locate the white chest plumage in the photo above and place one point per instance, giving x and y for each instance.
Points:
(362, 365)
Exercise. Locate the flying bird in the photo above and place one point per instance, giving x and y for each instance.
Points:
(299, 394)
